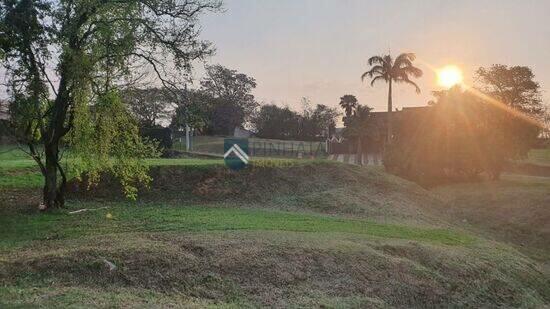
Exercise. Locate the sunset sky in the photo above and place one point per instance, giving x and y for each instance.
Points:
(319, 49)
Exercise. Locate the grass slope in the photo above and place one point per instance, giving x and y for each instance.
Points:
(283, 233)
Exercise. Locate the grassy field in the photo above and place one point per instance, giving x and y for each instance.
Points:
(281, 233)
(539, 156)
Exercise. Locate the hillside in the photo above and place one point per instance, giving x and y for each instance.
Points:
(282, 233)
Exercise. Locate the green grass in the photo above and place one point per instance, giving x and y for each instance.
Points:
(155, 218)
(539, 156)
(203, 252)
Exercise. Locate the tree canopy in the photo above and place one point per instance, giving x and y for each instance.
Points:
(272, 121)
(66, 59)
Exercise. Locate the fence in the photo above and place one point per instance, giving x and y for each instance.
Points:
(257, 147)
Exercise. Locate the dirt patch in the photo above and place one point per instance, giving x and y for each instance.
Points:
(19, 200)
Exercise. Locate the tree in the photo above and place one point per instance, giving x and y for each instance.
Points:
(91, 46)
(228, 87)
(460, 136)
(384, 68)
(150, 106)
(358, 127)
(348, 102)
(514, 86)
(324, 120)
(194, 109)
(276, 122)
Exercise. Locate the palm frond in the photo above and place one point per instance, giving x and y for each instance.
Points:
(412, 71)
(375, 71)
(406, 80)
(410, 57)
(376, 60)
(379, 77)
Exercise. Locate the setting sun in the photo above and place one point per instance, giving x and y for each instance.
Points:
(449, 76)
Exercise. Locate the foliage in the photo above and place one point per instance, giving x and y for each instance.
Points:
(224, 101)
(109, 141)
(348, 102)
(276, 122)
(273, 121)
(150, 106)
(93, 47)
(232, 101)
(358, 127)
(459, 137)
(514, 86)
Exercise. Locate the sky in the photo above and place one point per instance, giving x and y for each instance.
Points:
(319, 48)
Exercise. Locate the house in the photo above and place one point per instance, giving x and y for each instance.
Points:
(374, 143)
(242, 133)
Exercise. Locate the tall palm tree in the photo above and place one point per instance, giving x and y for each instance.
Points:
(348, 102)
(384, 68)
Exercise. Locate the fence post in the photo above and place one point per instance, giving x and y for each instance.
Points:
(187, 141)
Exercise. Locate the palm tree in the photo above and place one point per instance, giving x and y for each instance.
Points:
(384, 68)
(348, 102)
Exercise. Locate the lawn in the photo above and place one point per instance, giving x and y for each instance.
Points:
(125, 217)
(282, 233)
(539, 156)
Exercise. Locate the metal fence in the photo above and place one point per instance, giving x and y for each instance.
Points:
(257, 147)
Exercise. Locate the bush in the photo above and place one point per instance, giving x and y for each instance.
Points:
(458, 139)
(161, 135)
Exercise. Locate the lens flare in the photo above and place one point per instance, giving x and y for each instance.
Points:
(449, 76)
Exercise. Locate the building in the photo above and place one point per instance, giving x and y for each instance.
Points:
(373, 145)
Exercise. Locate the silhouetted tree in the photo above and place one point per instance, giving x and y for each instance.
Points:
(459, 137)
(384, 68)
(229, 87)
(358, 127)
(514, 86)
(276, 122)
(348, 102)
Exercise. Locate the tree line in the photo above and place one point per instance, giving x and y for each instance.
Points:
(224, 101)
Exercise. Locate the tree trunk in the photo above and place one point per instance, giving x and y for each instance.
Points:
(359, 156)
(390, 112)
(51, 151)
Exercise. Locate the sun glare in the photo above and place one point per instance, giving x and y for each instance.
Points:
(449, 76)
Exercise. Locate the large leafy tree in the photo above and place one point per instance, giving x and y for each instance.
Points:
(459, 137)
(272, 121)
(388, 70)
(514, 86)
(232, 101)
(65, 59)
(151, 106)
